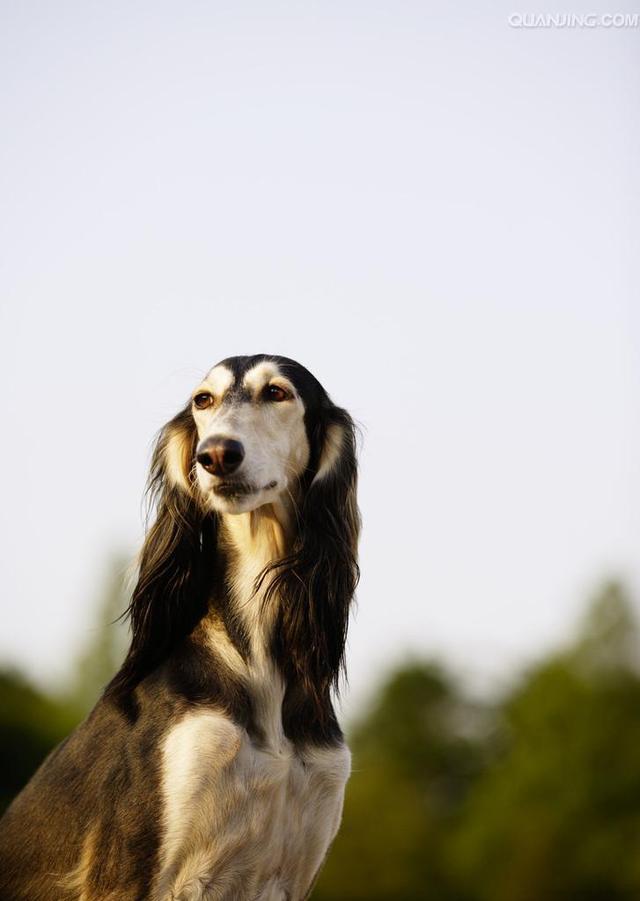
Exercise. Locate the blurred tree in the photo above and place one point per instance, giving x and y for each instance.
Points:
(30, 725)
(607, 639)
(32, 722)
(557, 812)
(414, 757)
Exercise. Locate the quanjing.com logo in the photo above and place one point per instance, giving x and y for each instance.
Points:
(574, 20)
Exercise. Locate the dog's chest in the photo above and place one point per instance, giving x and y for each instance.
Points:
(243, 822)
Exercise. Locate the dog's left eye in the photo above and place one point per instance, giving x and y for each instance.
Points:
(275, 392)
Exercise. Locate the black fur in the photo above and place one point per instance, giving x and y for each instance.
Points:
(316, 583)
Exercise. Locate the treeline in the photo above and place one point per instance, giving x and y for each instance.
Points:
(535, 797)
(532, 796)
(33, 722)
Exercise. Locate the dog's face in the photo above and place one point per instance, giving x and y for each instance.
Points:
(252, 441)
(255, 418)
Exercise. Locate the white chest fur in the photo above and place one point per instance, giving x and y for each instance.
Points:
(242, 823)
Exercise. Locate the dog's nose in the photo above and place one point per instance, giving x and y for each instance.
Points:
(220, 456)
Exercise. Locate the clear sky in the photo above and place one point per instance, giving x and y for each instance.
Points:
(436, 212)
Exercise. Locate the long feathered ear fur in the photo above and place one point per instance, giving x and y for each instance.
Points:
(317, 581)
(176, 569)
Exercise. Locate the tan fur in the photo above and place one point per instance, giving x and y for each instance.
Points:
(258, 538)
(77, 882)
(331, 451)
(179, 458)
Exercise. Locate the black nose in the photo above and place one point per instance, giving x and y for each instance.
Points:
(220, 456)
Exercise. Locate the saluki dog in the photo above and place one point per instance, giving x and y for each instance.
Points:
(213, 766)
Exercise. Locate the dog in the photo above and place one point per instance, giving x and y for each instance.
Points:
(213, 766)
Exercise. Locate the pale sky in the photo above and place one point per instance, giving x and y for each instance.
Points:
(433, 211)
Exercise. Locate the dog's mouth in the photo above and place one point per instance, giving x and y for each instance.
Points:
(230, 488)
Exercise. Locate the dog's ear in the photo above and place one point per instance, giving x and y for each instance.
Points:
(174, 453)
(318, 580)
(171, 593)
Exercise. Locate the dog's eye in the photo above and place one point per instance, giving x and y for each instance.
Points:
(203, 400)
(275, 392)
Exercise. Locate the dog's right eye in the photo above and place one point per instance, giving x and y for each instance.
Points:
(203, 400)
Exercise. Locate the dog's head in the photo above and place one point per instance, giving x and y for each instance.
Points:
(257, 431)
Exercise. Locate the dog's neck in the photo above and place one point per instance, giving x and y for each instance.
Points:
(253, 541)
(262, 535)
(239, 628)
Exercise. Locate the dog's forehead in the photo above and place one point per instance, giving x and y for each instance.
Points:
(246, 375)
(225, 380)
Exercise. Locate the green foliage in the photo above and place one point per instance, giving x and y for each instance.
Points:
(536, 797)
(413, 759)
(30, 725)
(32, 722)
(557, 812)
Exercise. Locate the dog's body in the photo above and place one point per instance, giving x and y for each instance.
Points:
(214, 766)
